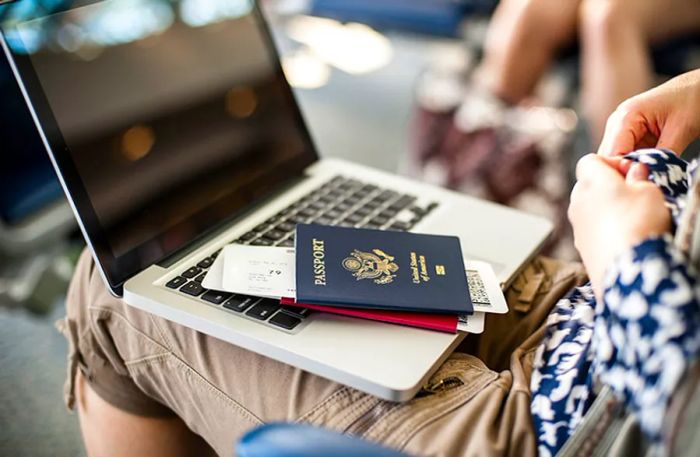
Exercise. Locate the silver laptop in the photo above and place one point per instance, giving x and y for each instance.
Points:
(174, 133)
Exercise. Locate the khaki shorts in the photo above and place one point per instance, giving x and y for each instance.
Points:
(478, 402)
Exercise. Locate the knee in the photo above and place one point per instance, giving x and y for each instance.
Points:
(529, 15)
(602, 18)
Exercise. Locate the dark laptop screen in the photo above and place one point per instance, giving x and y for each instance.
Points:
(166, 117)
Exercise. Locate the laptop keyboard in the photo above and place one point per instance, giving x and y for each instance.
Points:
(340, 202)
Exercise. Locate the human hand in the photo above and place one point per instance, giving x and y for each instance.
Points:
(613, 207)
(667, 117)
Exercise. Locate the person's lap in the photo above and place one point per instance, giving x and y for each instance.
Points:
(150, 367)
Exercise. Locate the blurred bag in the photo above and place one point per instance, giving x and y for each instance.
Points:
(468, 141)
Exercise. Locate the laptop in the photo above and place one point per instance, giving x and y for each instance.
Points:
(174, 133)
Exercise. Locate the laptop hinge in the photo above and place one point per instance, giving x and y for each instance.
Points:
(224, 225)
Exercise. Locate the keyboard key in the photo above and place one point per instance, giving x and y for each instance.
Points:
(353, 219)
(191, 272)
(379, 220)
(386, 195)
(297, 311)
(285, 321)
(342, 207)
(296, 219)
(286, 226)
(275, 235)
(333, 214)
(402, 202)
(363, 211)
(206, 263)
(330, 198)
(200, 278)
(215, 297)
(400, 226)
(337, 180)
(388, 213)
(287, 210)
(274, 219)
(264, 309)
(298, 205)
(369, 188)
(248, 236)
(347, 185)
(373, 204)
(308, 212)
(192, 288)
(286, 243)
(176, 282)
(262, 242)
(359, 195)
(262, 228)
(323, 220)
(240, 303)
(371, 225)
(318, 205)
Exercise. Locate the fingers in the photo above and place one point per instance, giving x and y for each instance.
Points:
(622, 131)
(638, 172)
(595, 168)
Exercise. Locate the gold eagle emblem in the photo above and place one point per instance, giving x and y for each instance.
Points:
(376, 265)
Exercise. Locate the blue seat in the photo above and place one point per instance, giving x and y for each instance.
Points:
(435, 17)
(295, 440)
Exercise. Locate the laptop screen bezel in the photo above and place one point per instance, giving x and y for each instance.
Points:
(117, 270)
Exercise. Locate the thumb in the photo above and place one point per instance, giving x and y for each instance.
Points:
(638, 172)
(622, 130)
(593, 168)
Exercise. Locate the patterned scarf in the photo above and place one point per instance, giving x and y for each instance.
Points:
(640, 348)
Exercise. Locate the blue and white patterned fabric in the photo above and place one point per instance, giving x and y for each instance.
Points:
(639, 341)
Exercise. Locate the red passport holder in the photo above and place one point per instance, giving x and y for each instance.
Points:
(440, 322)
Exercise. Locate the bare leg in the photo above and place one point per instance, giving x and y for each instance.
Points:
(615, 36)
(522, 40)
(109, 431)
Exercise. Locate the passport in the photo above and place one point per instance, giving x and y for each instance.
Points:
(378, 269)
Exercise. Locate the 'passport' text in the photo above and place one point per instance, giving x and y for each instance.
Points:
(319, 254)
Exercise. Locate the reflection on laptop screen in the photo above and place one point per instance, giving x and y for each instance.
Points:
(175, 113)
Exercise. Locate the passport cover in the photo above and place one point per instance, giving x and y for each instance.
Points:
(441, 322)
(378, 269)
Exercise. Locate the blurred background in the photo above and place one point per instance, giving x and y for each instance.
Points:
(419, 87)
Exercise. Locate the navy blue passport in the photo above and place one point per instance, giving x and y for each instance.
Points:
(379, 269)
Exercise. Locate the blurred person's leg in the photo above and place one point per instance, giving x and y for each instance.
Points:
(616, 36)
(522, 40)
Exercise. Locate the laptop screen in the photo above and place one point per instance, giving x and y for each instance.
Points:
(165, 117)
